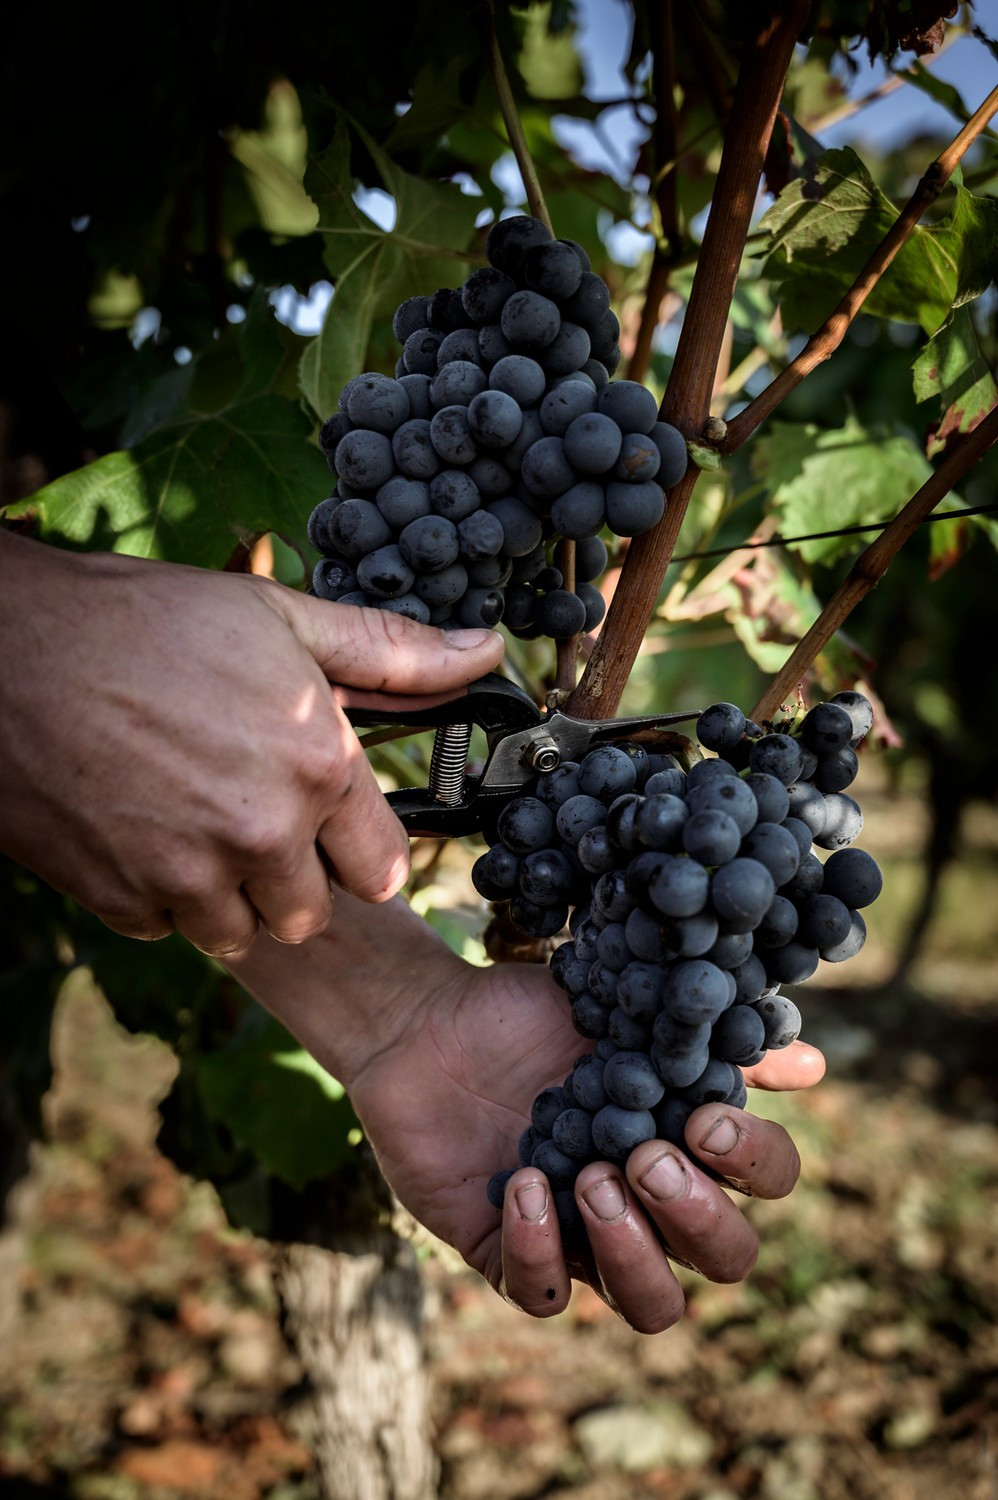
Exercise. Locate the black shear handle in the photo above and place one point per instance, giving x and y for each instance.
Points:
(492, 702)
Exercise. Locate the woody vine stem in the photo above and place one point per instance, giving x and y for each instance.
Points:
(686, 404)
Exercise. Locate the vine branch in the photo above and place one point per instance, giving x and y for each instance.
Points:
(868, 569)
(687, 400)
(829, 336)
(511, 119)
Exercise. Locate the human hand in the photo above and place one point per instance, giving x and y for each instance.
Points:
(444, 1107)
(174, 749)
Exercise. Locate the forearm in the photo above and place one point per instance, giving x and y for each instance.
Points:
(357, 989)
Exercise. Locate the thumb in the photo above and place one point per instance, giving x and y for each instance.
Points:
(385, 652)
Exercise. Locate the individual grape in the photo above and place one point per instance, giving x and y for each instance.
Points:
(332, 430)
(779, 924)
(364, 458)
(537, 921)
(591, 558)
(611, 947)
(680, 887)
(530, 432)
(630, 1080)
(454, 495)
(419, 353)
(639, 989)
(485, 292)
(494, 418)
(401, 500)
(850, 945)
(490, 572)
(630, 405)
(429, 543)
(695, 990)
(491, 477)
(782, 1021)
(823, 921)
(546, 877)
(526, 824)
(443, 587)
(778, 755)
(596, 371)
(740, 893)
(461, 345)
(546, 470)
(592, 443)
(479, 536)
(720, 727)
(451, 436)
(853, 876)
(588, 304)
(807, 804)
(860, 711)
(410, 316)
(711, 836)
(749, 980)
(563, 403)
(727, 794)
(413, 449)
(606, 772)
(385, 573)
(332, 578)
(559, 1169)
(357, 527)
(826, 727)
(509, 240)
(446, 309)
(555, 787)
(522, 528)
(572, 1133)
(639, 458)
(579, 513)
(703, 771)
(521, 606)
(587, 1084)
(590, 1017)
(616, 1130)
(594, 604)
(518, 376)
(493, 345)
(808, 879)
(792, 963)
(456, 383)
(772, 797)
(496, 873)
(480, 606)
(672, 452)
(843, 822)
(604, 337)
(836, 770)
(377, 403)
(633, 508)
(553, 269)
(775, 847)
(530, 321)
(566, 352)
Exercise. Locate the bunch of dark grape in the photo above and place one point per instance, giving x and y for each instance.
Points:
(500, 433)
(691, 896)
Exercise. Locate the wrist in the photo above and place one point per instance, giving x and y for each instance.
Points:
(363, 987)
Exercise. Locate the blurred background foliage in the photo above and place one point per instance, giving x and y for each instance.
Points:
(211, 213)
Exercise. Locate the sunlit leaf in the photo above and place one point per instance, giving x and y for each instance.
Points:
(951, 368)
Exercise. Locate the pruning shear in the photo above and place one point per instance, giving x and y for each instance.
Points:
(522, 741)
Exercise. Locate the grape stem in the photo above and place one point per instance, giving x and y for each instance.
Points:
(511, 118)
(831, 333)
(686, 405)
(872, 563)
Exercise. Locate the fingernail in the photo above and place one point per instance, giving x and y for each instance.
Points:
(665, 1178)
(532, 1201)
(467, 640)
(721, 1138)
(606, 1199)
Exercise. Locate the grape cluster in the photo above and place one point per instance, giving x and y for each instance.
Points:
(500, 433)
(691, 896)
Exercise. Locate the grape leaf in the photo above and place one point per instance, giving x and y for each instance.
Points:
(823, 232)
(825, 479)
(952, 368)
(373, 270)
(277, 1101)
(191, 491)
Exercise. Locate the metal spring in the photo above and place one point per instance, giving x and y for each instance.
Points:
(449, 762)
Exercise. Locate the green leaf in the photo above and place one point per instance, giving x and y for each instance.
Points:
(951, 368)
(277, 1101)
(825, 479)
(374, 270)
(824, 232)
(191, 492)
